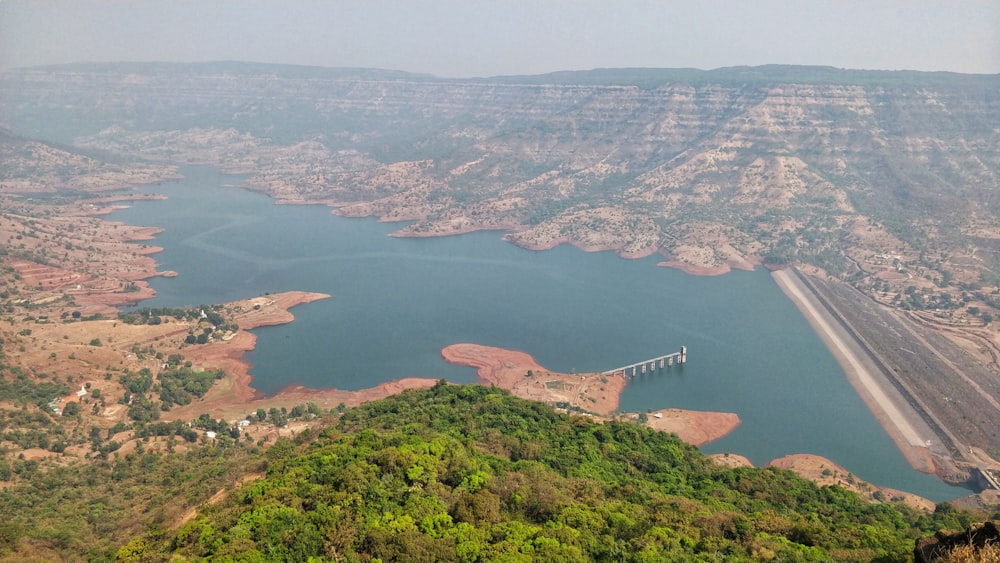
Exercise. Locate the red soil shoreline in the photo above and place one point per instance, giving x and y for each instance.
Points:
(234, 396)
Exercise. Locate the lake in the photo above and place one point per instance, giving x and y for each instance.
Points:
(397, 302)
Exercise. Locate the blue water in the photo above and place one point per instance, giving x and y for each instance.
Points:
(397, 302)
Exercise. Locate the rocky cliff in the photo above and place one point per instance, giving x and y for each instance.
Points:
(881, 177)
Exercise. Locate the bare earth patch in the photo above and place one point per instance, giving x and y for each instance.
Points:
(694, 427)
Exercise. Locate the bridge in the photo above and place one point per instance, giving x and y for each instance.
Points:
(651, 364)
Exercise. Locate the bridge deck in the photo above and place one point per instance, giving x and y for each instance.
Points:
(665, 360)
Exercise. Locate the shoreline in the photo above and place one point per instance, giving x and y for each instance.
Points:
(239, 395)
(510, 233)
(905, 427)
(507, 368)
(235, 395)
(618, 249)
(890, 415)
(590, 394)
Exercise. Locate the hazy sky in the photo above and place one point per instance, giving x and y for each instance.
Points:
(490, 37)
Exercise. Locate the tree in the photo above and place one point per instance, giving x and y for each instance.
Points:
(10, 534)
(72, 408)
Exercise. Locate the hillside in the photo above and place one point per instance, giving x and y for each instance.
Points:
(459, 473)
(883, 178)
(886, 181)
(28, 166)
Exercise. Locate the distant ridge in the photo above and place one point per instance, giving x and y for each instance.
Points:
(653, 77)
(626, 76)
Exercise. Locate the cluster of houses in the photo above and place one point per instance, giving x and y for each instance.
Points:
(55, 405)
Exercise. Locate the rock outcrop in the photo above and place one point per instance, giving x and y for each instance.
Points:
(976, 538)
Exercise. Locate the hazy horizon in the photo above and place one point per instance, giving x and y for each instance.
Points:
(452, 38)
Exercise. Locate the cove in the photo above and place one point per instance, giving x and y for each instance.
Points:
(397, 302)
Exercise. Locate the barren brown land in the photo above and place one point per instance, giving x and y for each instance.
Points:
(731, 460)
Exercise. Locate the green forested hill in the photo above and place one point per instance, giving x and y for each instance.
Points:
(468, 473)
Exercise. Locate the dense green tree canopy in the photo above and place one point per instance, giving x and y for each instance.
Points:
(471, 474)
